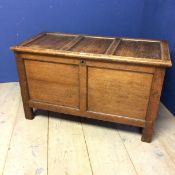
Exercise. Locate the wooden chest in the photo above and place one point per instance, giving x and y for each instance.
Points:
(105, 78)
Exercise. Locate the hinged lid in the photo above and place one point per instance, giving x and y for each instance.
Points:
(138, 51)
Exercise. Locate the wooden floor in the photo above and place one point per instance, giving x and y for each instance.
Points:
(56, 144)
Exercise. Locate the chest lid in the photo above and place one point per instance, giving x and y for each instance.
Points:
(137, 51)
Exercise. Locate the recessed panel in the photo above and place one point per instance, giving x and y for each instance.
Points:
(92, 45)
(139, 49)
(118, 92)
(53, 83)
(50, 41)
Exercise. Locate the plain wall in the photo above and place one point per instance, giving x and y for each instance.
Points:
(159, 22)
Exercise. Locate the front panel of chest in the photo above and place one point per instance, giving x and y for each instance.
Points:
(54, 83)
(91, 87)
(118, 89)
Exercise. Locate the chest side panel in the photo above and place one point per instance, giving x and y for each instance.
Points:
(119, 92)
(54, 83)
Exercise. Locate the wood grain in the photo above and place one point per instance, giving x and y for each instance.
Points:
(92, 45)
(67, 152)
(53, 83)
(153, 104)
(106, 151)
(50, 41)
(96, 57)
(9, 102)
(166, 134)
(24, 88)
(83, 87)
(105, 78)
(165, 51)
(27, 152)
(88, 114)
(147, 158)
(140, 49)
(118, 92)
(120, 66)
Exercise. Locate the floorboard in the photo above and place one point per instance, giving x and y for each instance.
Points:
(165, 131)
(9, 102)
(67, 153)
(148, 158)
(107, 153)
(27, 153)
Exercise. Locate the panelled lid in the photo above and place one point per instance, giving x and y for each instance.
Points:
(138, 51)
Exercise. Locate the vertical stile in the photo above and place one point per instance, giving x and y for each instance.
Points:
(83, 86)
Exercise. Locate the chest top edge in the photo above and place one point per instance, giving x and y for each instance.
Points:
(117, 49)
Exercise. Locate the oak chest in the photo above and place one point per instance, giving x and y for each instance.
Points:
(105, 78)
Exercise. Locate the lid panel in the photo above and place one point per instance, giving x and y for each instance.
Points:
(50, 41)
(139, 49)
(92, 45)
(115, 49)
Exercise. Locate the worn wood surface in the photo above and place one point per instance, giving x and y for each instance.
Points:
(118, 92)
(27, 150)
(98, 139)
(91, 45)
(9, 103)
(92, 87)
(160, 153)
(53, 83)
(138, 51)
(61, 144)
(24, 88)
(153, 104)
(67, 154)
